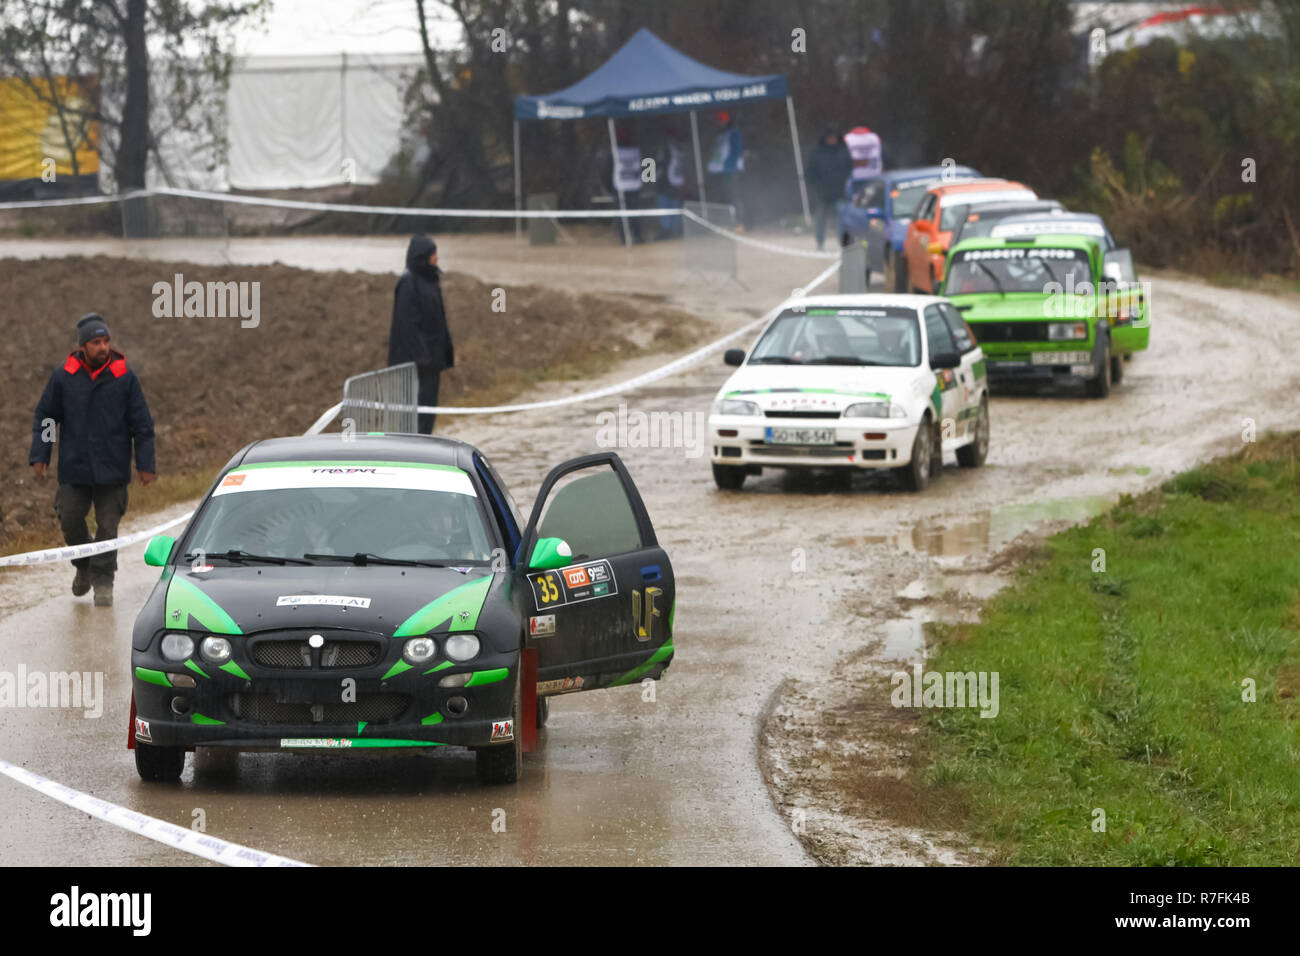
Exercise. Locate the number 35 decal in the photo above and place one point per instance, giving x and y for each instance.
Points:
(547, 592)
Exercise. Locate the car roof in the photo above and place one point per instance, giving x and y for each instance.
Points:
(1063, 215)
(1025, 207)
(334, 446)
(975, 185)
(923, 172)
(865, 300)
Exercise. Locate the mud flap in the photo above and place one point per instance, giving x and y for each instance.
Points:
(528, 700)
(130, 725)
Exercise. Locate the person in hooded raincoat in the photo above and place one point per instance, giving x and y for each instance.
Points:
(419, 331)
(828, 167)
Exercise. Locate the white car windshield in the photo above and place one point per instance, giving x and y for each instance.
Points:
(841, 336)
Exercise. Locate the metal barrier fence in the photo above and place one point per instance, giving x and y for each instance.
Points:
(707, 250)
(384, 400)
(855, 277)
(156, 216)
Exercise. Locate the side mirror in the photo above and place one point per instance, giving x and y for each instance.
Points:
(925, 226)
(944, 360)
(159, 550)
(734, 357)
(550, 553)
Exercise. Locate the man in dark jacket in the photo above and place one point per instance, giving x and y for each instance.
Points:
(96, 404)
(827, 170)
(419, 332)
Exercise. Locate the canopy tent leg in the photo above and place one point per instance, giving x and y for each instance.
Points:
(699, 167)
(519, 187)
(613, 157)
(798, 161)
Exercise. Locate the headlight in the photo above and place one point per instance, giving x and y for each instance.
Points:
(418, 650)
(215, 649)
(1067, 331)
(731, 406)
(461, 647)
(177, 646)
(875, 410)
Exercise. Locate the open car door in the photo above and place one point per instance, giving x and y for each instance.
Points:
(598, 588)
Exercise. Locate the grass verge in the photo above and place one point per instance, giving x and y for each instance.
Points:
(1129, 690)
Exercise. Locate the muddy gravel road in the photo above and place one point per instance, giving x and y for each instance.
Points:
(779, 585)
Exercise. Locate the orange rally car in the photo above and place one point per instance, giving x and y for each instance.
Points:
(940, 211)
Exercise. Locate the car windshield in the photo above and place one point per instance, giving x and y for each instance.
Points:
(1016, 269)
(398, 511)
(841, 336)
(957, 206)
(907, 195)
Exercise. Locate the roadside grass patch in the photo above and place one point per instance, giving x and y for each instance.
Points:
(1122, 691)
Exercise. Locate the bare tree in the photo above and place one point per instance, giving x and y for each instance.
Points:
(128, 52)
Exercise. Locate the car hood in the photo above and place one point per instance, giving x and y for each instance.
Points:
(1023, 305)
(399, 601)
(821, 387)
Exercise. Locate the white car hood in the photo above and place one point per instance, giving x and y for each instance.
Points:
(825, 387)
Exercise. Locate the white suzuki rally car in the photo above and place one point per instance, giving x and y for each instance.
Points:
(854, 381)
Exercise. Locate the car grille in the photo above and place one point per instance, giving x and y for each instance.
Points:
(266, 709)
(296, 654)
(776, 413)
(838, 450)
(994, 332)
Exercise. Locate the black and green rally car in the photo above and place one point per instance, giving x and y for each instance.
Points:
(379, 591)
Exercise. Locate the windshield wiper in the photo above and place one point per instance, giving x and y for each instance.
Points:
(362, 558)
(992, 275)
(236, 554)
(841, 360)
(1043, 263)
(771, 360)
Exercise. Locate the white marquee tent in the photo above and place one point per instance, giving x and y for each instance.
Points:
(315, 99)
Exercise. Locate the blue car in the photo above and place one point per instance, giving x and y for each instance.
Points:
(877, 210)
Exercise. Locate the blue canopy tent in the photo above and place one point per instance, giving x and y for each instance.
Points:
(646, 77)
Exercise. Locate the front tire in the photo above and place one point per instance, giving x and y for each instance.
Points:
(159, 764)
(543, 710)
(1117, 368)
(1099, 385)
(915, 474)
(973, 455)
(501, 763)
(729, 477)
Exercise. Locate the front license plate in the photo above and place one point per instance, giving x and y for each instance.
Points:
(1061, 358)
(800, 436)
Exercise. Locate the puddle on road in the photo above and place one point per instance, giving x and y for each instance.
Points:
(985, 532)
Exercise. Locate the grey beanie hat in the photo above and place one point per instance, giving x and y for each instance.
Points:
(90, 326)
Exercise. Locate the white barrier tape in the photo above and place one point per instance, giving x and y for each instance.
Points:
(189, 841)
(77, 201)
(312, 206)
(90, 548)
(98, 547)
(759, 243)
